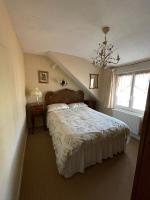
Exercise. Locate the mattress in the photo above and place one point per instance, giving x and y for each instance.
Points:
(83, 137)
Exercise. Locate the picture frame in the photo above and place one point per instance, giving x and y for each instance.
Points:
(43, 76)
(93, 81)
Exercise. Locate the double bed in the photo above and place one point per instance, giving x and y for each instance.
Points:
(81, 136)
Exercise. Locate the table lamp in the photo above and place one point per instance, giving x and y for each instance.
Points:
(37, 93)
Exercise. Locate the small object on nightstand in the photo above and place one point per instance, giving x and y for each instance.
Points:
(37, 93)
(35, 110)
(91, 103)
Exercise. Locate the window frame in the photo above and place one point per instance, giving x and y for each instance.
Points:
(130, 107)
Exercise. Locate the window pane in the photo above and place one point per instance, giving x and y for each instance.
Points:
(123, 90)
(140, 91)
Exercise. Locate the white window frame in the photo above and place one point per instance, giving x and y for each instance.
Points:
(130, 108)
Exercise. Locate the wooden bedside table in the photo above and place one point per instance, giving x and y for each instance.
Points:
(90, 103)
(35, 110)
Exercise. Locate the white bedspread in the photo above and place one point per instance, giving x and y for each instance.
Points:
(70, 128)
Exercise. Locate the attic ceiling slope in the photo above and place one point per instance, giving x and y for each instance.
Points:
(77, 68)
(74, 27)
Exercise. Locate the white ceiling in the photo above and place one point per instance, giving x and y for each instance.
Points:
(73, 26)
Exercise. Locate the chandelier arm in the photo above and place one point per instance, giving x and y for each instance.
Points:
(101, 56)
(113, 62)
(105, 48)
(108, 55)
(104, 53)
(112, 58)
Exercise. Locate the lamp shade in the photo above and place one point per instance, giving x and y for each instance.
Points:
(36, 92)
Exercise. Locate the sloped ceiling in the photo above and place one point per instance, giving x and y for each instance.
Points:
(78, 69)
(73, 26)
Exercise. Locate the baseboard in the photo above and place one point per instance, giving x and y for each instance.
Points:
(21, 168)
(137, 137)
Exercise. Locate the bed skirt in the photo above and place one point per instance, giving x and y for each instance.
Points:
(91, 153)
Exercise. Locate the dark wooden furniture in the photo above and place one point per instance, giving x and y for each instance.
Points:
(64, 96)
(35, 110)
(91, 103)
(68, 96)
(141, 185)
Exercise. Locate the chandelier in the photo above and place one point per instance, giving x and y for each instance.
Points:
(104, 53)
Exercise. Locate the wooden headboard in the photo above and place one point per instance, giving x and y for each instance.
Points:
(64, 96)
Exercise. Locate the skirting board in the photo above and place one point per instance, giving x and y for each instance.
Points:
(135, 136)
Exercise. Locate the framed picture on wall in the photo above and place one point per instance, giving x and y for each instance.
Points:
(43, 76)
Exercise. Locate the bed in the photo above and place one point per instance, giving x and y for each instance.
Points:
(81, 136)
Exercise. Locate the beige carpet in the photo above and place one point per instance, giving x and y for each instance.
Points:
(111, 180)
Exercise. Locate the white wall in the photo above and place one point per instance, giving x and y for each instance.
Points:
(12, 108)
(34, 63)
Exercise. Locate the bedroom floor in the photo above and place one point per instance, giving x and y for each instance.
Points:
(111, 180)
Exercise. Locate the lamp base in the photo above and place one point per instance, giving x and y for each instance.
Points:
(37, 100)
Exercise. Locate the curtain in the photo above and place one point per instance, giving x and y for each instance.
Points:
(141, 84)
(107, 87)
(110, 103)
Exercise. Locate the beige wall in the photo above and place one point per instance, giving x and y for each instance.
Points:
(33, 63)
(78, 68)
(12, 108)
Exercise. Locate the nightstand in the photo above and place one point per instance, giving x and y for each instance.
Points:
(90, 103)
(33, 111)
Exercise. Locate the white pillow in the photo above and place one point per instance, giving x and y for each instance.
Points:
(57, 106)
(77, 105)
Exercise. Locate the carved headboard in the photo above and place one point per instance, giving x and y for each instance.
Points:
(64, 96)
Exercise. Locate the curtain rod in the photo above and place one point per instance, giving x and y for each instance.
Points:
(129, 64)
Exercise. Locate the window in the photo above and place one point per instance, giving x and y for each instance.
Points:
(131, 91)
